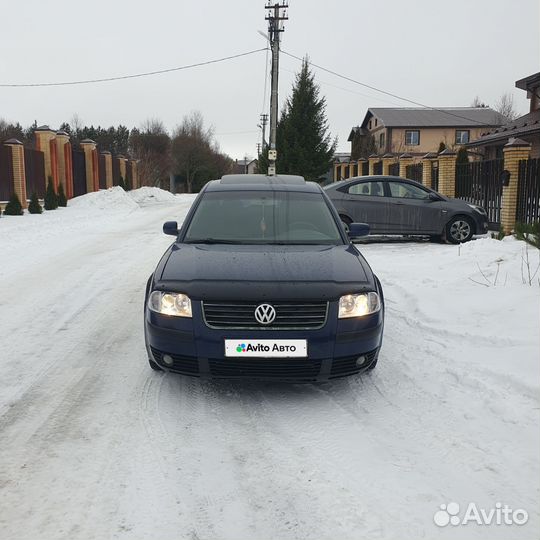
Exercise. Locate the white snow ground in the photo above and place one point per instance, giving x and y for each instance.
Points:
(94, 445)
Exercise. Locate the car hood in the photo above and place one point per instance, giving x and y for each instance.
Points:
(263, 272)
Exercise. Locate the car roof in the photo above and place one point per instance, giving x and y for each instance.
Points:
(262, 182)
(376, 178)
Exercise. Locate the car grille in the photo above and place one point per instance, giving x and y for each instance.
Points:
(266, 368)
(341, 367)
(188, 365)
(289, 315)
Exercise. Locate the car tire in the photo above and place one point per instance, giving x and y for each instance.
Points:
(346, 222)
(459, 229)
(154, 366)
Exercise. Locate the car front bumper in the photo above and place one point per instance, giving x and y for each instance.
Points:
(338, 349)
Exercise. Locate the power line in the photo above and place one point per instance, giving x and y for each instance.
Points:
(388, 93)
(122, 77)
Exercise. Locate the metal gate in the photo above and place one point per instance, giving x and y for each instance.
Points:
(528, 202)
(480, 183)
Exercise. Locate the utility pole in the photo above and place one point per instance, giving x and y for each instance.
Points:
(276, 14)
(262, 125)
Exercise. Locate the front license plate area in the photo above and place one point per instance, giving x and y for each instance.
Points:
(266, 348)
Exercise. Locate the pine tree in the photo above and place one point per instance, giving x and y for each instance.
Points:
(13, 207)
(34, 207)
(62, 199)
(303, 143)
(51, 198)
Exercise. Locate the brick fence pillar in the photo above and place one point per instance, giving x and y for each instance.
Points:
(514, 151)
(404, 161)
(447, 173)
(374, 158)
(134, 173)
(90, 158)
(62, 158)
(108, 168)
(45, 143)
(387, 159)
(337, 171)
(427, 166)
(17, 166)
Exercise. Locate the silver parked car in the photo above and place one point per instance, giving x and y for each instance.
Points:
(395, 205)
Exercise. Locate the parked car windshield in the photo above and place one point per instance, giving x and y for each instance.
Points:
(263, 217)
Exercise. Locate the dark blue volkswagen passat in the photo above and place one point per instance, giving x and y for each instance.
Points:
(263, 282)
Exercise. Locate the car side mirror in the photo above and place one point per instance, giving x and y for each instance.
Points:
(356, 230)
(433, 197)
(170, 227)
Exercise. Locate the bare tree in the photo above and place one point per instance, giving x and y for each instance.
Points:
(477, 102)
(505, 107)
(195, 155)
(150, 144)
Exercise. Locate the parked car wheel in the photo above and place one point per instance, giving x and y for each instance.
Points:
(154, 366)
(460, 229)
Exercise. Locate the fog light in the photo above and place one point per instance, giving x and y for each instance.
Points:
(168, 360)
(360, 361)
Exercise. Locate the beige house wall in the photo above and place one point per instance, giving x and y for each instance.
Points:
(430, 139)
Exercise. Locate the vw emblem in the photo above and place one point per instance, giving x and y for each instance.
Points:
(265, 314)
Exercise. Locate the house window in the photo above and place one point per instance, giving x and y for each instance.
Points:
(412, 137)
(462, 136)
(375, 122)
(381, 141)
(370, 124)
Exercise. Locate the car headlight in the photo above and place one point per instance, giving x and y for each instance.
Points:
(358, 305)
(169, 303)
(479, 209)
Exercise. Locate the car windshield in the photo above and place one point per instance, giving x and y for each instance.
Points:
(263, 217)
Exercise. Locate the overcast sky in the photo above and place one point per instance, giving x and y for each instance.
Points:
(437, 53)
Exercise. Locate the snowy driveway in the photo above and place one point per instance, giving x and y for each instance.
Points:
(93, 444)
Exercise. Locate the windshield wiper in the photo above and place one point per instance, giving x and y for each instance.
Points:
(210, 241)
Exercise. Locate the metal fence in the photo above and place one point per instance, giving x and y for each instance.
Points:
(377, 167)
(479, 182)
(393, 169)
(102, 175)
(528, 202)
(414, 172)
(365, 168)
(79, 172)
(435, 175)
(6, 173)
(34, 165)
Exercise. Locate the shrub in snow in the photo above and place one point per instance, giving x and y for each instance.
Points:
(122, 184)
(529, 232)
(51, 198)
(13, 207)
(34, 207)
(62, 199)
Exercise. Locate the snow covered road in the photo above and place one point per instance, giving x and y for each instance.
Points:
(95, 445)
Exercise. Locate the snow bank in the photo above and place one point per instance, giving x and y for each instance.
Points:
(150, 195)
(106, 199)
